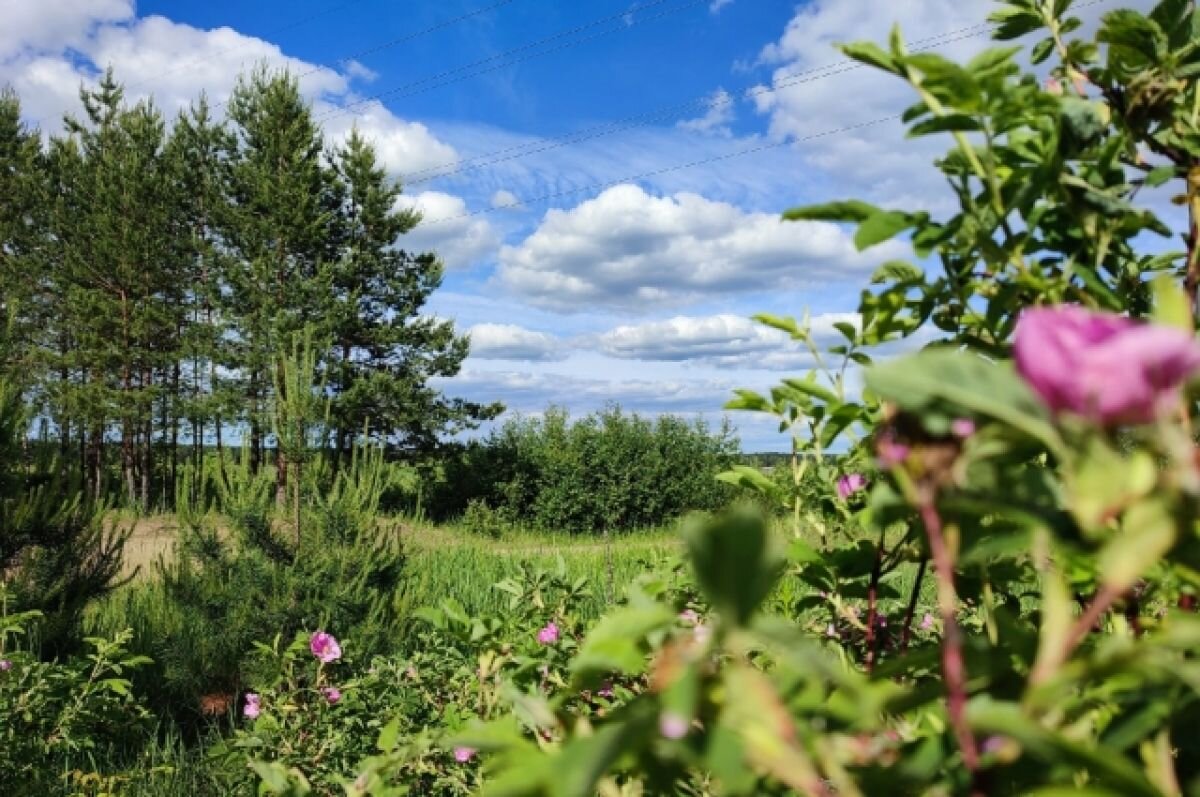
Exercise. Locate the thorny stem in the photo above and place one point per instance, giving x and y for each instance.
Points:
(906, 634)
(954, 670)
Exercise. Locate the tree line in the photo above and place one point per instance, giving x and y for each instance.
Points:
(156, 272)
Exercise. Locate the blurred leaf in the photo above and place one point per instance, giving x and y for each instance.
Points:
(734, 562)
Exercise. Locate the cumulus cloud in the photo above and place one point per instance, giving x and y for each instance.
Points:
(56, 24)
(48, 48)
(459, 239)
(716, 119)
(525, 391)
(512, 342)
(724, 340)
(627, 249)
(817, 90)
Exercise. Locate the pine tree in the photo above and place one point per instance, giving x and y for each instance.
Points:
(116, 278)
(22, 223)
(385, 351)
(281, 229)
(199, 150)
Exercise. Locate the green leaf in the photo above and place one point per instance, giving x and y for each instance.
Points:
(1013, 23)
(991, 717)
(1171, 304)
(897, 271)
(880, 226)
(1041, 51)
(921, 382)
(811, 388)
(388, 736)
(615, 643)
(781, 323)
(735, 563)
(1149, 530)
(1160, 175)
(871, 54)
(956, 122)
(849, 210)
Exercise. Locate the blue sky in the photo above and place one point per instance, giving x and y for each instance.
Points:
(544, 143)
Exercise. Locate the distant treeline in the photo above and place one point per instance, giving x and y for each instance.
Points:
(156, 273)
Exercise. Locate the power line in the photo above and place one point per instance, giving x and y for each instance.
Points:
(664, 170)
(825, 71)
(273, 32)
(462, 72)
(446, 23)
(783, 81)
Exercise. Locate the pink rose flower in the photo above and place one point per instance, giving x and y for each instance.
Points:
(889, 451)
(672, 726)
(850, 484)
(962, 428)
(464, 754)
(548, 635)
(332, 694)
(1107, 368)
(325, 647)
(253, 706)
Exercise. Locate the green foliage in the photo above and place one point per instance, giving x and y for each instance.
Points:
(608, 471)
(229, 587)
(56, 554)
(58, 716)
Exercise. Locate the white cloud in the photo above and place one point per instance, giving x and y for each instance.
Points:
(716, 119)
(724, 340)
(627, 249)
(505, 200)
(459, 239)
(816, 92)
(511, 342)
(48, 48)
(524, 391)
(716, 5)
(361, 71)
(55, 24)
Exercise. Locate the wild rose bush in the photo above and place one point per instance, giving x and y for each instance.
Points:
(328, 724)
(57, 717)
(1002, 601)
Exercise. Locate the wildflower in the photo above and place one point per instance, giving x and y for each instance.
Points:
(464, 754)
(1054, 86)
(549, 634)
(850, 484)
(253, 705)
(701, 633)
(962, 428)
(1107, 368)
(332, 694)
(605, 690)
(927, 622)
(689, 617)
(325, 647)
(672, 726)
(831, 631)
(889, 451)
(5, 665)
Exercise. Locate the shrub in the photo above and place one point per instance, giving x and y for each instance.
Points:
(609, 471)
(60, 716)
